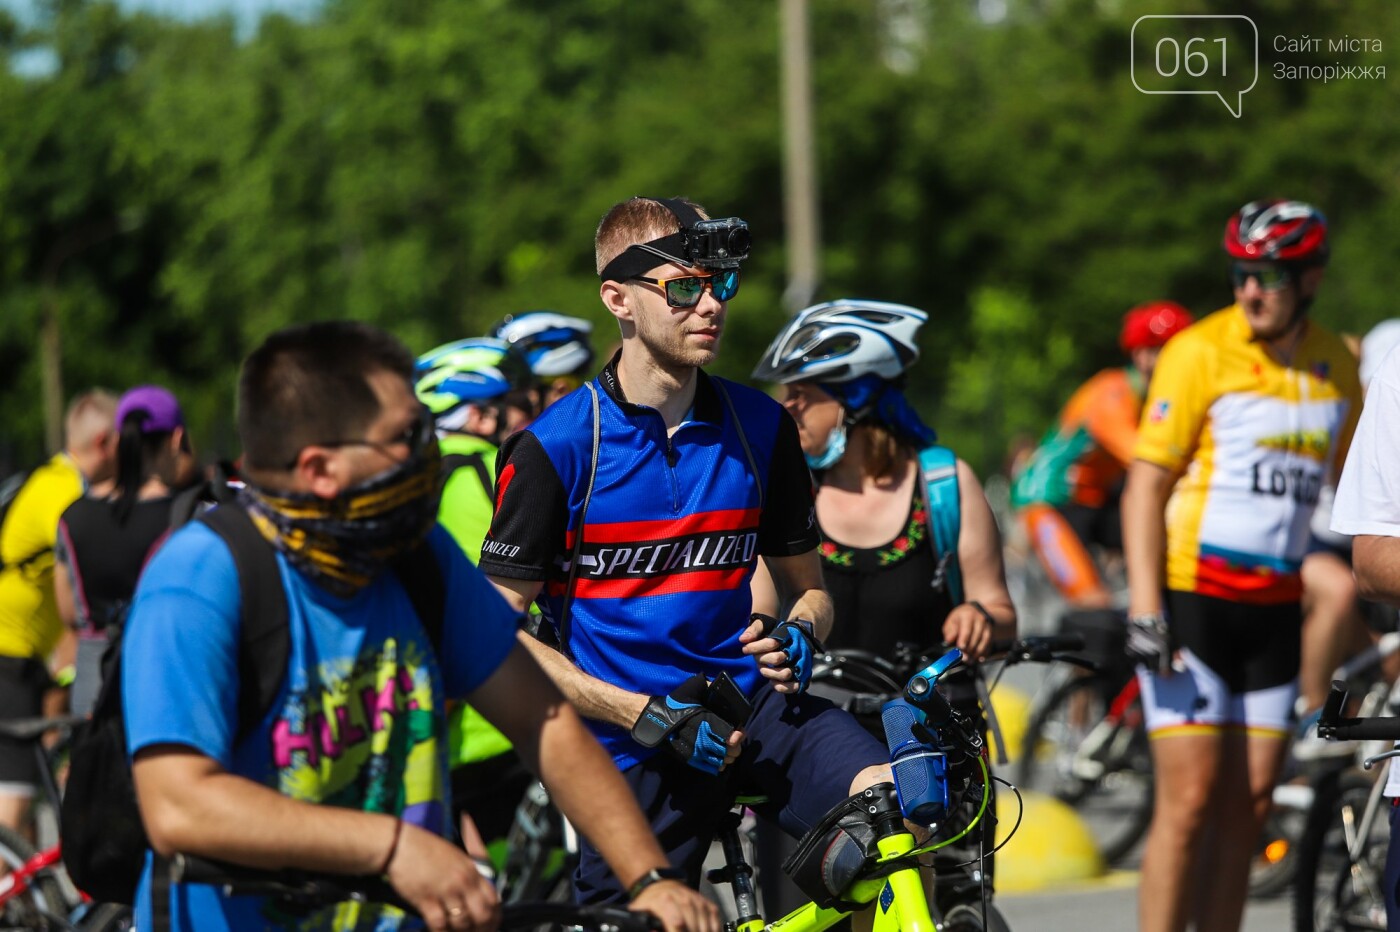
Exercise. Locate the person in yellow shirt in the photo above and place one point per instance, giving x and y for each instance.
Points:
(1246, 412)
(29, 623)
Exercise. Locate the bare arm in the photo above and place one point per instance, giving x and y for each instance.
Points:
(64, 595)
(1145, 534)
(592, 697)
(192, 805)
(801, 576)
(1376, 561)
(983, 575)
(581, 777)
(766, 598)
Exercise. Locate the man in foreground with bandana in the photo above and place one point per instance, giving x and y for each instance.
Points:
(347, 774)
(636, 510)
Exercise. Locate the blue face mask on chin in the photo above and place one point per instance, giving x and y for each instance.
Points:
(835, 449)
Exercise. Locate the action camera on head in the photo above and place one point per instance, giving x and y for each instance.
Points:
(712, 245)
(717, 244)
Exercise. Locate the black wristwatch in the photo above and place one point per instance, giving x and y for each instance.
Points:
(651, 877)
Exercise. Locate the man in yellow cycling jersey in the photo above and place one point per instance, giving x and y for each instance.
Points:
(1246, 412)
(1067, 493)
(29, 623)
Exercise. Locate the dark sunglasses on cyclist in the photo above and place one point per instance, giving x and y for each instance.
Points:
(416, 436)
(687, 290)
(1271, 276)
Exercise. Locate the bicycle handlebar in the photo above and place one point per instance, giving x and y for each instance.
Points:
(1333, 727)
(325, 889)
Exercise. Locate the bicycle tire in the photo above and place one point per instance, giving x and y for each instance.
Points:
(43, 899)
(1271, 872)
(1117, 803)
(1324, 899)
(108, 917)
(967, 917)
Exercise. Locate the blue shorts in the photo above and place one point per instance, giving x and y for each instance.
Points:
(801, 753)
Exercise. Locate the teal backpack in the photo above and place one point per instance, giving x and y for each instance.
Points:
(939, 468)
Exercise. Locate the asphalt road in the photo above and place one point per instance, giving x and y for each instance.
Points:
(1110, 905)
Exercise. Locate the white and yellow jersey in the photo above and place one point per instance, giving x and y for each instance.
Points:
(1256, 440)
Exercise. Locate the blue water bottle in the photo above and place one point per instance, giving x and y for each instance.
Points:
(920, 771)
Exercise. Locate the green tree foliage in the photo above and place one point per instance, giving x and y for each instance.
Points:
(178, 190)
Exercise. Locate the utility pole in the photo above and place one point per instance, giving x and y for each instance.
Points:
(51, 327)
(800, 211)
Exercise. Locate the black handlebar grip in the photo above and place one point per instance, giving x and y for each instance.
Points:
(1364, 729)
(1332, 707)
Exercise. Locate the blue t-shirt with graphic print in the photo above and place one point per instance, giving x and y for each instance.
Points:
(359, 722)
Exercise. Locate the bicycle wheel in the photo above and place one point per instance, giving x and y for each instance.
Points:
(37, 906)
(1331, 891)
(1271, 872)
(966, 917)
(1100, 767)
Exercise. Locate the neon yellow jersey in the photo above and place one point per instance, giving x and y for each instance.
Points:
(466, 513)
(1256, 440)
(29, 624)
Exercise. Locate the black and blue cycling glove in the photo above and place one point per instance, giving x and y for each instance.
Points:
(691, 732)
(798, 641)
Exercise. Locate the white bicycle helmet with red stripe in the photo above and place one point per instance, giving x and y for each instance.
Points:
(843, 340)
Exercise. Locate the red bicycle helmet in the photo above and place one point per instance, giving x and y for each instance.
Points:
(1278, 231)
(1153, 324)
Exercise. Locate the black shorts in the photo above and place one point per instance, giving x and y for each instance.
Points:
(801, 753)
(23, 682)
(1250, 647)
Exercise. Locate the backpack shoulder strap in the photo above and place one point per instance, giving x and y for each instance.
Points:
(264, 640)
(474, 461)
(938, 467)
(421, 577)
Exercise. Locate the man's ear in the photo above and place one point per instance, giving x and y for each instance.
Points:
(316, 471)
(616, 299)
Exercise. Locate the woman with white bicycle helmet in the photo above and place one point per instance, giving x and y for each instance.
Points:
(842, 365)
(556, 347)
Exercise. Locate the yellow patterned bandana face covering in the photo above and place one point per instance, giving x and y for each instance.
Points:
(343, 542)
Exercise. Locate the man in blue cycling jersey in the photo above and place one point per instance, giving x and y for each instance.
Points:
(634, 511)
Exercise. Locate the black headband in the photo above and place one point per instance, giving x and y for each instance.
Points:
(642, 257)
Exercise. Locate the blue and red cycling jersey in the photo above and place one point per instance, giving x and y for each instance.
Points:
(672, 534)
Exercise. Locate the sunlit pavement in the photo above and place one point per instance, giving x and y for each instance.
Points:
(1110, 905)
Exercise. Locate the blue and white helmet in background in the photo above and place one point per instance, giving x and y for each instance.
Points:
(553, 344)
(478, 370)
(843, 340)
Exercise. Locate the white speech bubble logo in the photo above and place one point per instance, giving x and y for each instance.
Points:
(1238, 107)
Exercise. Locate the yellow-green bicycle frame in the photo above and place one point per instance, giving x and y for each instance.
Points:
(899, 899)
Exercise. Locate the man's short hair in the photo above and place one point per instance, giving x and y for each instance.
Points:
(635, 220)
(309, 384)
(89, 415)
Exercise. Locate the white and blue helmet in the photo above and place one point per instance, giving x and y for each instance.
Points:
(843, 340)
(477, 370)
(553, 344)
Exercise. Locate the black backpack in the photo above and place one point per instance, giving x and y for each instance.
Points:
(104, 842)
